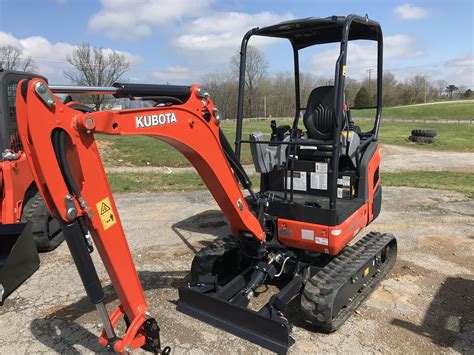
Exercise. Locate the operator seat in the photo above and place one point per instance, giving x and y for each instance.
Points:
(319, 115)
(318, 120)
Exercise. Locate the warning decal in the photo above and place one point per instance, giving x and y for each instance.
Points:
(104, 208)
(106, 214)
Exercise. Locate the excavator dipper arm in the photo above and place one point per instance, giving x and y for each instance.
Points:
(64, 159)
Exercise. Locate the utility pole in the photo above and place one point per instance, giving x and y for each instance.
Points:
(426, 81)
(370, 96)
(265, 106)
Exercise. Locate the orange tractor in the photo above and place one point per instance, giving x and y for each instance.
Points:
(319, 186)
(20, 200)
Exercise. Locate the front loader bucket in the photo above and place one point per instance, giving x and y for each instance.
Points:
(18, 257)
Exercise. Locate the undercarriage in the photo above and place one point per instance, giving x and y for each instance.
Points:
(330, 288)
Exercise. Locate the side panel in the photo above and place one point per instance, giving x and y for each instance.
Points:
(320, 238)
(373, 180)
(377, 202)
(364, 166)
(17, 178)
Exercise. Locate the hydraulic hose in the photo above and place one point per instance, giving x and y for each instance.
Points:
(59, 144)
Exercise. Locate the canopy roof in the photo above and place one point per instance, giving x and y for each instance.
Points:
(310, 31)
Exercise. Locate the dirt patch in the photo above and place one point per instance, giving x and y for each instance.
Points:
(394, 159)
(397, 159)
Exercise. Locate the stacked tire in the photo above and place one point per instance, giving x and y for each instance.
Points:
(422, 136)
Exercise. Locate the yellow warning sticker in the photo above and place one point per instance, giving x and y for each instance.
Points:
(106, 214)
(343, 70)
(366, 272)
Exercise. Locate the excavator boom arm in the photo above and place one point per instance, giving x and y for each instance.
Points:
(64, 159)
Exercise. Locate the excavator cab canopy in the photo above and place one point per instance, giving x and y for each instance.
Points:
(304, 33)
(311, 31)
(307, 32)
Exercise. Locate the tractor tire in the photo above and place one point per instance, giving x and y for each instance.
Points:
(45, 229)
(421, 139)
(423, 133)
(222, 258)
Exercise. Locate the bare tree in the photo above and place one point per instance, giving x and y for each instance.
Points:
(255, 74)
(11, 58)
(94, 66)
(418, 84)
(440, 86)
(223, 88)
(390, 86)
(461, 90)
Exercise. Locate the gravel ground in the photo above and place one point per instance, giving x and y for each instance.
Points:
(424, 306)
(394, 159)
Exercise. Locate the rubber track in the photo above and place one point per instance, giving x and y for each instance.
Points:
(35, 211)
(204, 261)
(320, 290)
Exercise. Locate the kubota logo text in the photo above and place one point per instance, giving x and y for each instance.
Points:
(155, 120)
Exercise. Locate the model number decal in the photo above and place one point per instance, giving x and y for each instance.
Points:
(155, 120)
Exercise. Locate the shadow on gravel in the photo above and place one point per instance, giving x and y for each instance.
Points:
(60, 332)
(208, 222)
(450, 318)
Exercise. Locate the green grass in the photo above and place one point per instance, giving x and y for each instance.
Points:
(143, 151)
(188, 181)
(140, 151)
(440, 180)
(451, 136)
(154, 182)
(460, 109)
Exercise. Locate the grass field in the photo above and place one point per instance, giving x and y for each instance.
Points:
(143, 151)
(159, 182)
(458, 109)
(154, 182)
(440, 180)
(451, 136)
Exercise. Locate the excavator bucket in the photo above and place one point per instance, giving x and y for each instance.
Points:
(18, 257)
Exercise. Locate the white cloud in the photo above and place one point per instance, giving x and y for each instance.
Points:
(410, 12)
(174, 74)
(216, 37)
(363, 55)
(49, 58)
(460, 70)
(123, 19)
(400, 46)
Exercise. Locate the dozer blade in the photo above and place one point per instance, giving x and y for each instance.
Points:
(273, 334)
(18, 257)
(223, 307)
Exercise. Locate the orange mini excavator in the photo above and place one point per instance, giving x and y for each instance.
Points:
(320, 185)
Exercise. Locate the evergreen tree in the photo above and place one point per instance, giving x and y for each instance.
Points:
(362, 98)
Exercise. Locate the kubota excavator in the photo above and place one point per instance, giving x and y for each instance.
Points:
(320, 185)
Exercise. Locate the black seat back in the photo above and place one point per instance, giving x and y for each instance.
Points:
(319, 115)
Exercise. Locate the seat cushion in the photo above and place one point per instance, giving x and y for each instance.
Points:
(319, 115)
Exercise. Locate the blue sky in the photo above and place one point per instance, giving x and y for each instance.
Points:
(181, 41)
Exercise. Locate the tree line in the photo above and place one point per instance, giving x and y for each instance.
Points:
(266, 95)
(274, 95)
